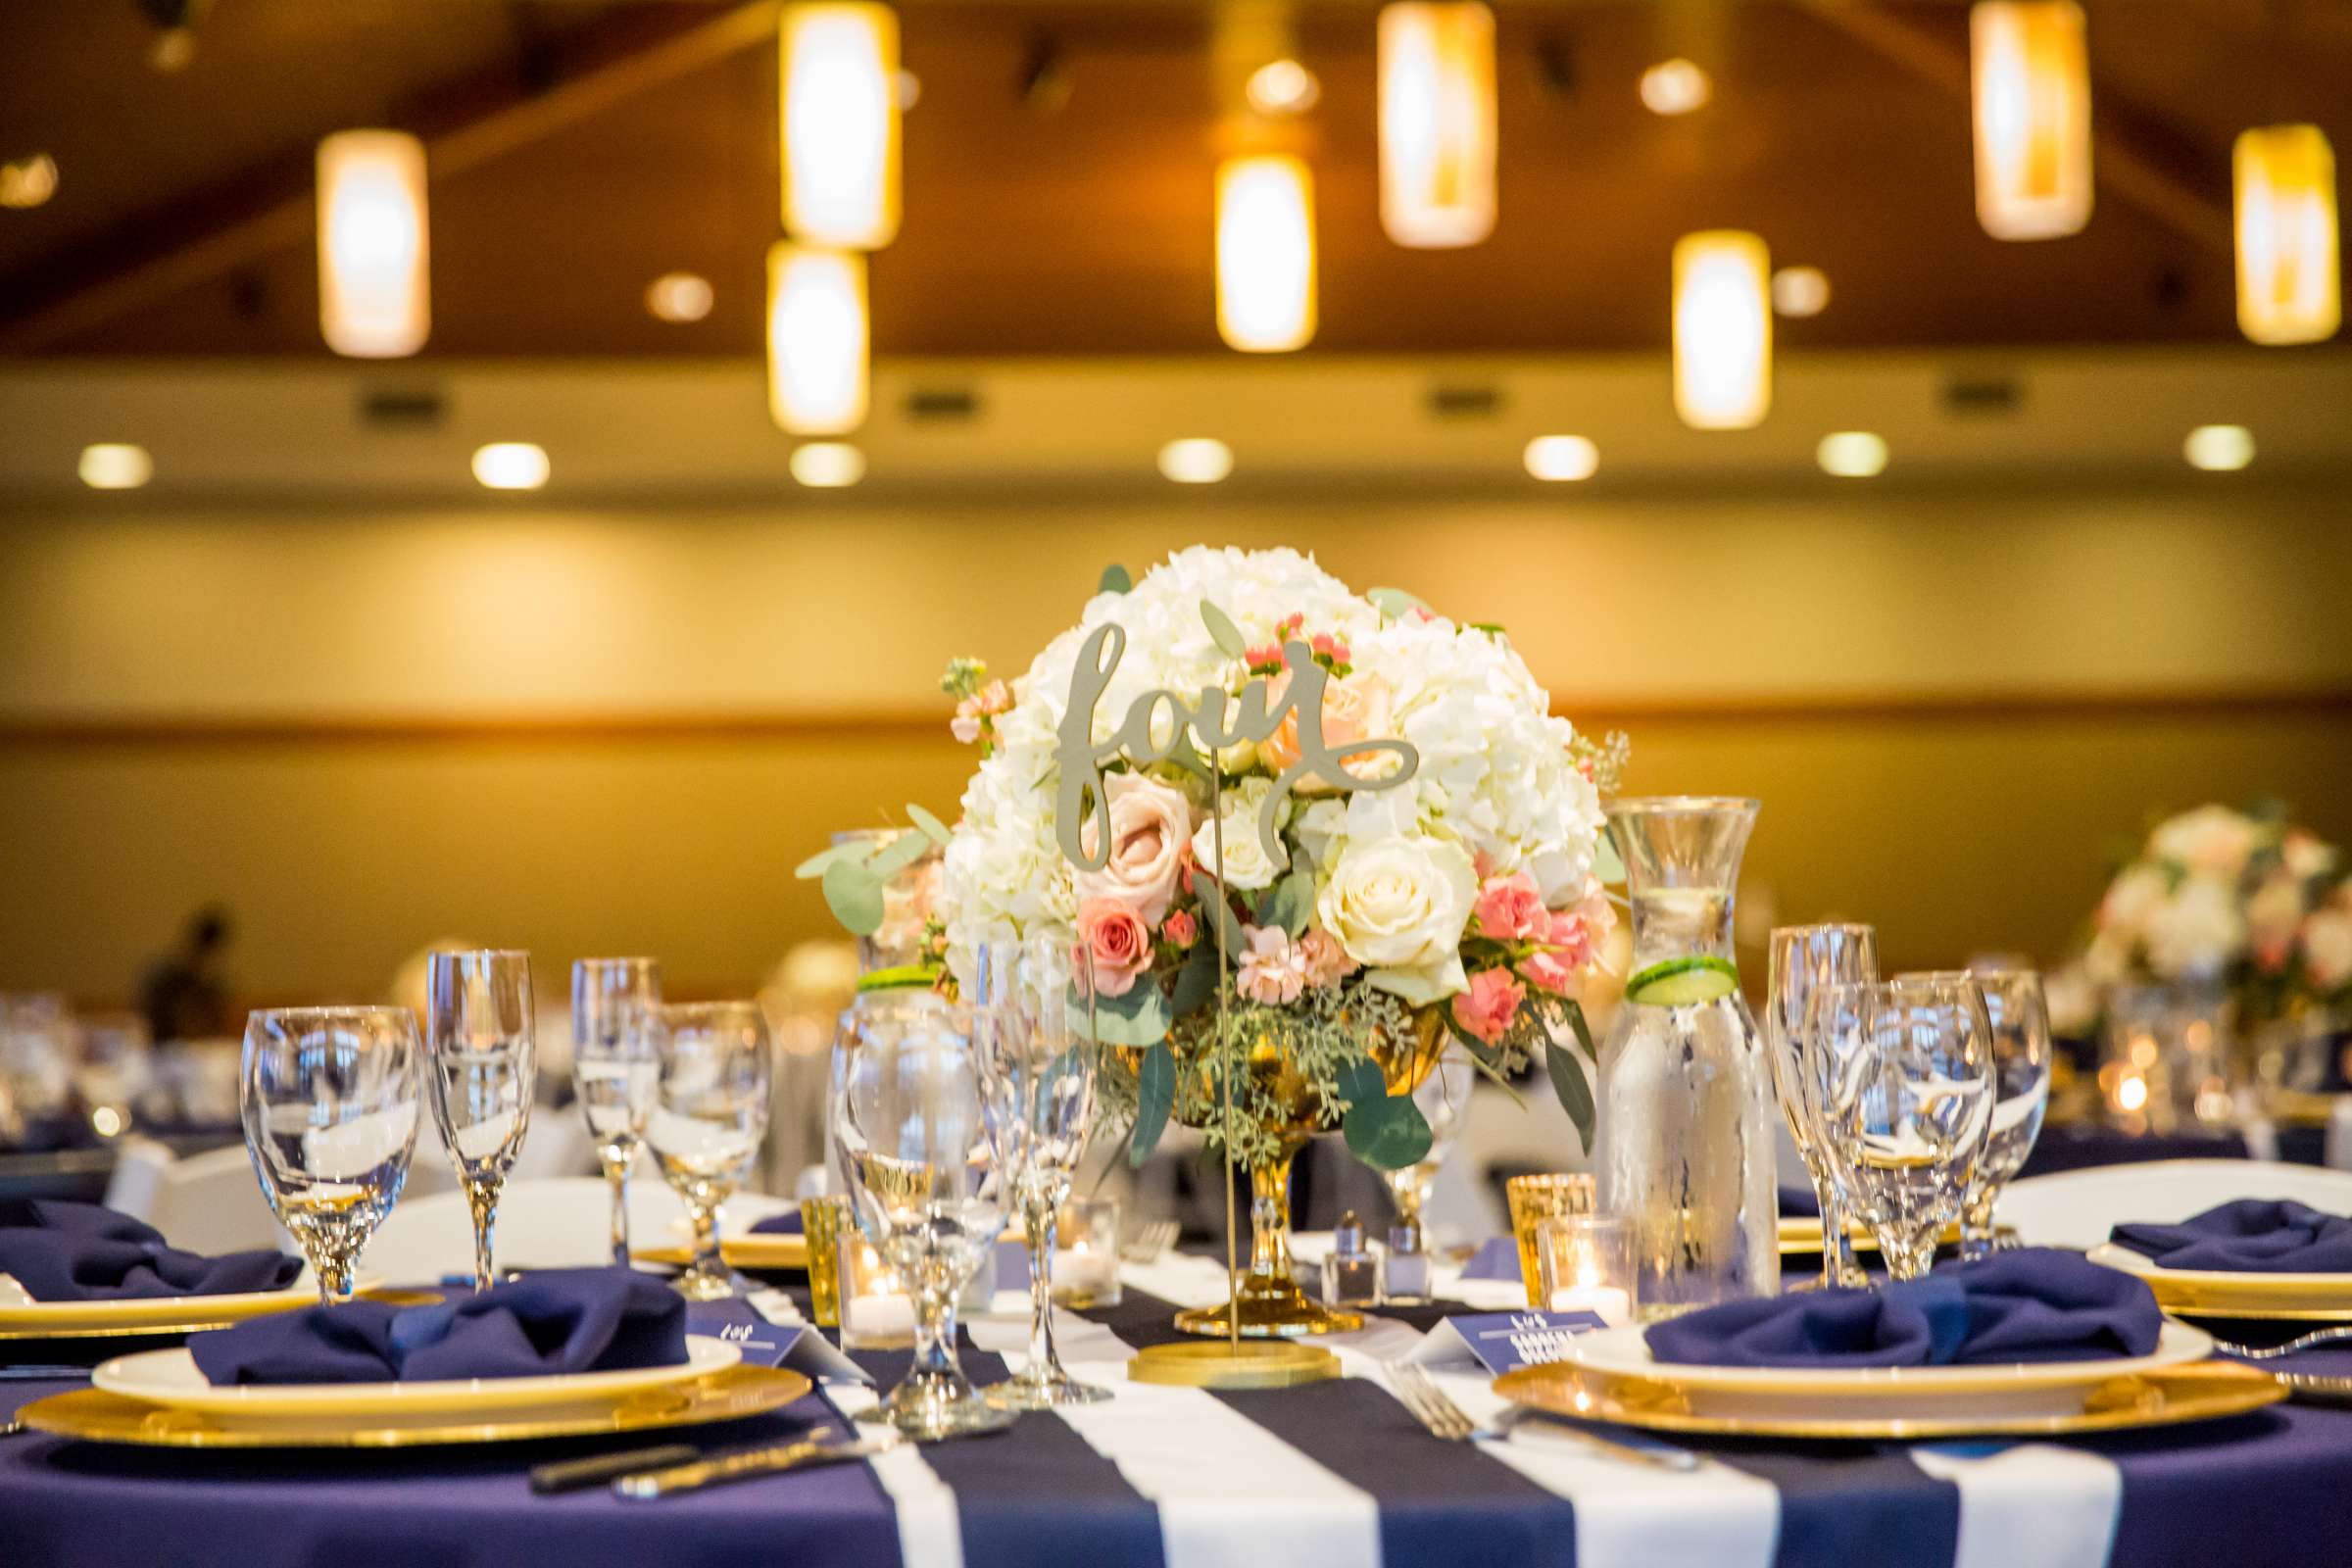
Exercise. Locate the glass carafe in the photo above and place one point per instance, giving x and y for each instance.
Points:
(1684, 1148)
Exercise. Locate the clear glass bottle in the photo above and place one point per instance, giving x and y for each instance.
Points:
(1684, 1145)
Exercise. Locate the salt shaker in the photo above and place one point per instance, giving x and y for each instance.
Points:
(1406, 1270)
(1350, 1269)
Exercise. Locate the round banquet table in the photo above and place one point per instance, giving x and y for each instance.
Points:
(1334, 1475)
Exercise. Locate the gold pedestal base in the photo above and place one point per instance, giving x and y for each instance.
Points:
(1273, 1307)
(1215, 1364)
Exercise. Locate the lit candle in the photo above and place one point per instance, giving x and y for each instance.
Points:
(1585, 1294)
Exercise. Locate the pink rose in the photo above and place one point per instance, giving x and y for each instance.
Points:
(1327, 963)
(1118, 943)
(1179, 929)
(1357, 708)
(1273, 969)
(1510, 909)
(1487, 1007)
(1150, 825)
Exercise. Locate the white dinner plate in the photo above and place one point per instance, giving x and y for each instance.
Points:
(161, 1313)
(2224, 1291)
(171, 1377)
(2017, 1386)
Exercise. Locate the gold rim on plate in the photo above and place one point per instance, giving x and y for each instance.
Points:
(94, 1416)
(2219, 1293)
(2205, 1390)
(157, 1331)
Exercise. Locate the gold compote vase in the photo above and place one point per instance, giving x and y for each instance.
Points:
(1271, 1303)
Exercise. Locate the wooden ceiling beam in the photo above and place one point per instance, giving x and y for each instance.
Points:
(463, 126)
(2120, 162)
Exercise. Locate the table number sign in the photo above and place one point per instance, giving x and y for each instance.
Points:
(1501, 1342)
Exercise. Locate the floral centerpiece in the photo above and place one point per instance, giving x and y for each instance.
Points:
(1277, 952)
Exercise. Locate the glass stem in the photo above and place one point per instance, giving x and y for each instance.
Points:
(1838, 1265)
(617, 1175)
(935, 1329)
(332, 1265)
(1975, 1226)
(706, 1238)
(482, 1199)
(1045, 1363)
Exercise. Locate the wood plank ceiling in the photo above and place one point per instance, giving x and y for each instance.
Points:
(1076, 220)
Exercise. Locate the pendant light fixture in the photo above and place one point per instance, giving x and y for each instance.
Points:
(2031, 78)
(2288, 283)
(816, 339)
(1722, 330)
(373, 294)
(1265, 253)
(840, 123)
(1436, 122)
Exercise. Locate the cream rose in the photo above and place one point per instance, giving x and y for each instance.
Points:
(1150, 824)
(1397, 905)
(1246, 865)
(2327, 948)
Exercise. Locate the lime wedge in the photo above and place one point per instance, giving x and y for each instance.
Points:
(1679, 982)
(904, 976)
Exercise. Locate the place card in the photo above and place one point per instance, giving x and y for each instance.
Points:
(767, 1342)
(1501, 1342)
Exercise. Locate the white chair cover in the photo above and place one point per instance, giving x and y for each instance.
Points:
(2075, 1207)
(208, 1202)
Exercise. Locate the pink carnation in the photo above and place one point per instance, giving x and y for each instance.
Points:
(1273, 969)
(1118, 943)
(1487, 1007)
(1510, 909)
(1179, 929)
(1327, 963)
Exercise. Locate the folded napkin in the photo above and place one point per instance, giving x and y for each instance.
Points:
(2032, 1306)
(1496, 1258)
(2252, 1235)
(787, 1223)
(62, 1252)
(560, 1320)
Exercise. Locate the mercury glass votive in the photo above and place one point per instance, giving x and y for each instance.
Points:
(822, 1220)
(1086, 1253)
(1534, 1200)
(1585, 1263)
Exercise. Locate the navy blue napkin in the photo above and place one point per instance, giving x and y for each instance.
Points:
(63, 1251)
(787, 1223)
(2032, 1306)
(2262, 1234)
(558, 1320)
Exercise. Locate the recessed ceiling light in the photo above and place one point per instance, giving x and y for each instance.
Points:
(1800, 290)
(115, 465)
(1852, 453)
(828, 464)
(511, 465)
(678, 297)
(1562, 457)
(27, 181)
(1196, 459)
(2219, 448)
(1283, 87)
(1675, 87)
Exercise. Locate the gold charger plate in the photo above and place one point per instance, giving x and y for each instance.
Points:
(737, 1251)
(161, 1325)
(2205, 1390)
(2218, 1292)
(95, 1416)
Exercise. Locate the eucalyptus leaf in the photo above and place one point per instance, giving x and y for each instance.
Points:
(814, 867)
(1195, 982)
(1155, 1098)
(855, 896)
(1115, 580)
(1395, 603)
(1361, 1082)
(1213, 906)
(900, 852)
(1138, 1018)
(1223, 632)
(932, 827)
(1388, 1134)
(1290, 903)
(1568, 1083)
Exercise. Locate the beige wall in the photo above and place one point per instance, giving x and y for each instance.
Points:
(1951, 702)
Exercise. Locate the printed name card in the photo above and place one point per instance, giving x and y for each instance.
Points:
(1501, 1342)
(790, 1345)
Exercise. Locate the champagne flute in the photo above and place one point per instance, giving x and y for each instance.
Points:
(616, 1067)
(2020, 1068)
(329, 1100)
(1910, 1105)
(484, 1073)
(710, 1113)
(1803, 958)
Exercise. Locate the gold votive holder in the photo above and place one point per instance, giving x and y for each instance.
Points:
(1534, 1200)
(1585, 1263)
(877, 1310)
(822, 1220)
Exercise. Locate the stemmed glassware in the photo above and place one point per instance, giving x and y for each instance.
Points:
(328, 1098)
(2020, 1066)
(1039, 1075)
(480, 1044)
(1909, 1104)
(616, 1067)
(912, 1141)
(710, 1114)
(1805, 958)
(1444, 1099)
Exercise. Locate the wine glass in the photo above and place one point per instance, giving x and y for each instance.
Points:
(117, 1065)
(1909, 1104)
(1038, 1074)
(710, 1113)
(616, 1067)
(484, 1071)
(910, 1137)
(329, 1100)
(1444, 1099)
(2020, 1068)
(1803, 958)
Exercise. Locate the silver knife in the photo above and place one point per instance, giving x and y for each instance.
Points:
(751, 1462)
(2315, 1388)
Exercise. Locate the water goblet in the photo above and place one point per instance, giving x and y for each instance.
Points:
(329, 1101)
(2020, 1068)
(617, 1068)
(1803, 958)
(710, 1114)
(484, 1071)
(910, 1137)
(1037, 1065)
(1443, 1097)
(1909, 1106)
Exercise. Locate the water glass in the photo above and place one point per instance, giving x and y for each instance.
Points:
(1443, 1097)
(484, 1073)
(1086, 1253)
(116, 1068)
(328, 1098)
(710, 1114)
(1585, 1263)
(910, 1135)
(2020, 1068)
(1805, 958)
(615, 1068)
(1909, 1104)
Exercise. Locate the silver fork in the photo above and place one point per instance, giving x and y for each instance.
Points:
(2301, 1342)
(1436, 1410)
(1147, 1244)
